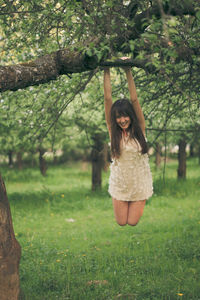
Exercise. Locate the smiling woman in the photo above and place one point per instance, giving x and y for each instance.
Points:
(130, 183)
(123, 121)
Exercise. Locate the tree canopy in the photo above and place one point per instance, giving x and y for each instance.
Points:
(40, 41)
(75, 36)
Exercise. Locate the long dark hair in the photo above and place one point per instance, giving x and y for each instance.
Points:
(123, 107)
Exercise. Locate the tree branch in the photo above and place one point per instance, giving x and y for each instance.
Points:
(142, 20)
(145, 64)
(50, 66)
(45, 69)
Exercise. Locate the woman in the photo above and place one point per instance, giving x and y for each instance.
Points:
(130, 182)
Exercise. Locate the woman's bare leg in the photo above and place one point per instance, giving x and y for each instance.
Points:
(121, 211)
(135, 211)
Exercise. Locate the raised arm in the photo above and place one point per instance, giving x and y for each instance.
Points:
(134, 99)
(107, 97)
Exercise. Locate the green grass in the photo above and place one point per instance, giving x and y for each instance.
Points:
(94, 258)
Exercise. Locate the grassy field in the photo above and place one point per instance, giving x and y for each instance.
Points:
(73, 249)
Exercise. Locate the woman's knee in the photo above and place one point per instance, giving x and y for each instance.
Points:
(133, 223)
(121, 223)
(135, 212)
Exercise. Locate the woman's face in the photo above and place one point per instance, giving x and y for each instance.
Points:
(123, 121)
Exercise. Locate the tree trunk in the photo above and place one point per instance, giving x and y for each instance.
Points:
(96, 171)
(55, 158)
(42, 162)
(192, 150)
(97, 161)
(19, 160)
(106, 157)
(10, 158)
(10, 251)
(182, 159)
(158, 155)
(33, 161)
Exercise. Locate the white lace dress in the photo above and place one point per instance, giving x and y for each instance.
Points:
(130, 177)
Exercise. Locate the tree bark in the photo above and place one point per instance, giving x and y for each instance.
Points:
(106, 157)
(97, 162)
(10, 251)
(96, 172)
(158, 155)
(42, 162)
(144, 64)
(192, 150)
(45, 69)
(182, 159)
(10, 158)
(19, 160)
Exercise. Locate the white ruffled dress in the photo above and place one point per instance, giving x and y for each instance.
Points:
(130, 176)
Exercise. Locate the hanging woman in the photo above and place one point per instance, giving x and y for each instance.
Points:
(130, 182)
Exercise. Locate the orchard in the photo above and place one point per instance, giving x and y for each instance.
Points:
(51, 81)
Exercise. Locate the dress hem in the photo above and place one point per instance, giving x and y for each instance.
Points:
(145, 198)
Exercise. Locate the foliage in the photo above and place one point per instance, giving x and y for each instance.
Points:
(27, 116)
(160, 36)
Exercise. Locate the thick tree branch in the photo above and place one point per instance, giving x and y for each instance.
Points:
(144, 64)
(50, 66)
(45, 69)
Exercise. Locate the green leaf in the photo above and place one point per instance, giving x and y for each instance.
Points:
(198, 14)
(132, 46)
